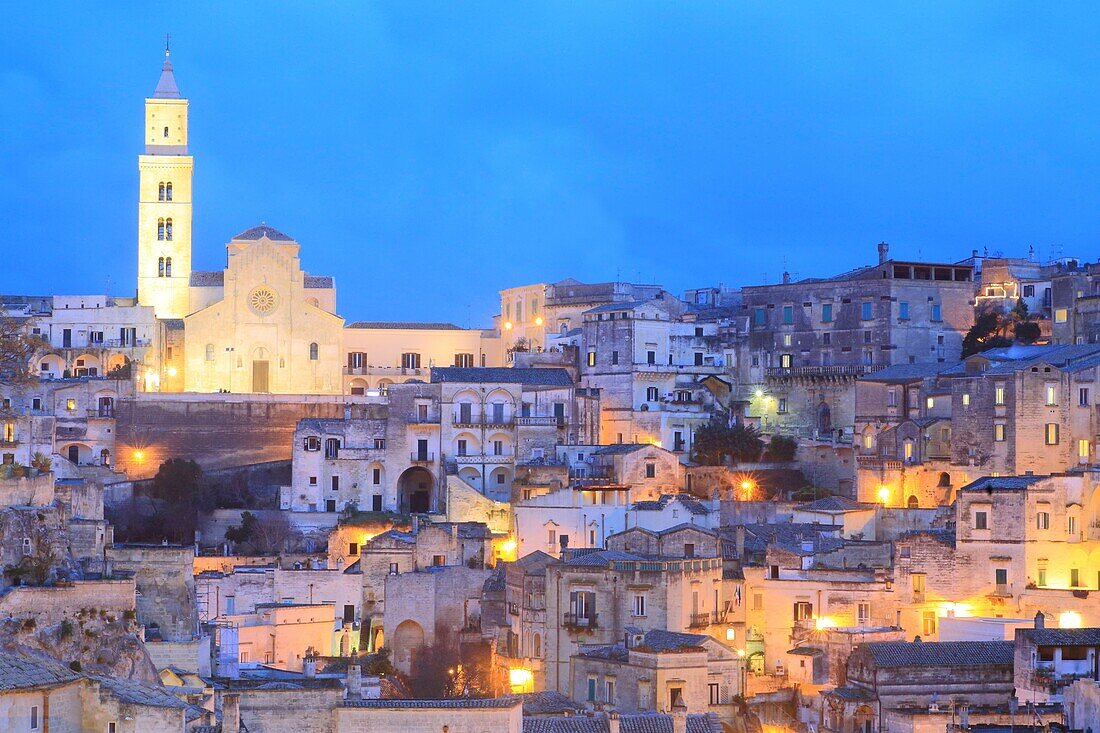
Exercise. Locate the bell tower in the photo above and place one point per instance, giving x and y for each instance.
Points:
(164, 201)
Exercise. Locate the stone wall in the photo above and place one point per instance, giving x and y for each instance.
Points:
(266, 711)
(53, 604)
(27, 491)
(451, 718)
(191, 656)
(163, 574)
(215, 430)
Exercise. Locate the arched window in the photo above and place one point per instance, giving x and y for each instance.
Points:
(914, 502)
(168, 191)
(168, 229)
(313, 352)
(160, 229)
(105, 457)
(210, 352)
(160, 192)
(168, 266)
(166, 132)
(160, 267)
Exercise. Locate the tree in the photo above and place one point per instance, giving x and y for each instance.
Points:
(781, 448)
(17, 348)
(266, 534)
(716, 441)
(984, 334)
(1027, 332)
(176, 496)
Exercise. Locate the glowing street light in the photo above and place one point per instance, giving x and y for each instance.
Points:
(884, 494)
(139, 455)
(1069, 620)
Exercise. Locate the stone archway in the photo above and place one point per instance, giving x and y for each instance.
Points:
(407, 638)
(414, 490)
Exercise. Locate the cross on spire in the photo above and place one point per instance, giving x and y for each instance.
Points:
(167, 41)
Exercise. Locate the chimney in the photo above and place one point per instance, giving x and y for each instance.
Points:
(563, 542)
(231, 713)
(309, 666)
(739, 540)
(1040, 620)
(974, 253)
(613, 722)
(355, 682)
(454, 530)
(679, 715)
(883, 252)
(416, 524)
(786, 278)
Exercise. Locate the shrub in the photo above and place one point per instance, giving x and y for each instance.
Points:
(66, 629)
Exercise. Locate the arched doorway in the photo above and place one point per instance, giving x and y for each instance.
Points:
(73, 454)
(914, 502)
(414, 490)
(407, 638)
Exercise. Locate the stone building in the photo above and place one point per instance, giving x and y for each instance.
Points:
(892, 679)
(672, 580)
(925, 430)
(438, 605)
(651, 670)
(469, 424)
(522, 646)
(1049, 660)
(811, 339)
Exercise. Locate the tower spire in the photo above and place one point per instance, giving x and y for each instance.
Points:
(166, 87)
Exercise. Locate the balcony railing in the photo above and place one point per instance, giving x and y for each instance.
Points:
(419, 457)
(699, 621)
(579, 621)
(550, 421)
(429, 418)
(479, 459)
(124, 343)
(102, 413)
(831, 370)
(461, 420)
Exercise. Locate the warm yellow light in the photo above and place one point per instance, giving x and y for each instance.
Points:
(507, 550)
(1069, 620)
(759, 393)
(507, 325)
(884, 494)
(746, 485)
(171, 371)
(538, 321)
(521, 678)
(740, 652)
(731, 634)
(139, 455)
(824, 622)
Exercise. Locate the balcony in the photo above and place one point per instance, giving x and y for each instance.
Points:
(579, 621)
(699, 621)
(102, 413)
(419, 457)
(125, 343)
(431, 417)
(474, 460)
(473, 421)
(541, 421)
(831, 370)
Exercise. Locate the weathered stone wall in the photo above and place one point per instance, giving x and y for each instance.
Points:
(215, 430)
(52, 604)
(27, 490)
(191, 656)
(351, 719)
(267, 711)
(164, 579)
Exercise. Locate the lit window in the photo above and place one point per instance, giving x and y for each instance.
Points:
(1052, 394)
(999, 394)
(591, 358)
(1083, 449)
(1061, 315)
(70, 404)
(1051, 433)
(930, 402)
(786, 339)
(999, 432)
(966, 399)
(785, 361)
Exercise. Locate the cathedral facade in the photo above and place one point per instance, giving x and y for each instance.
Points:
(261, 324)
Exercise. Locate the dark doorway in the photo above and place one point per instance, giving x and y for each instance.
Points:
(415, 490)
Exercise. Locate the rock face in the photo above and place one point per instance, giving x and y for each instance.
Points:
(98, 640)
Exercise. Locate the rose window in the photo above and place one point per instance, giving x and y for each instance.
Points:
(262, 300)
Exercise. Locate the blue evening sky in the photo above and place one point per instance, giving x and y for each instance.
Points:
(428, 154)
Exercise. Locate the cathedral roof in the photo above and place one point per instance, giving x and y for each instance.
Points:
(261, 231)
(166, 87)
(317, 281)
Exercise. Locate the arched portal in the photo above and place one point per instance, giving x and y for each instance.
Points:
(414, 490)
(407, 638)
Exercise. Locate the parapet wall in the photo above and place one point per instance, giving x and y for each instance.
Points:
(51, 604)
(215, 430)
